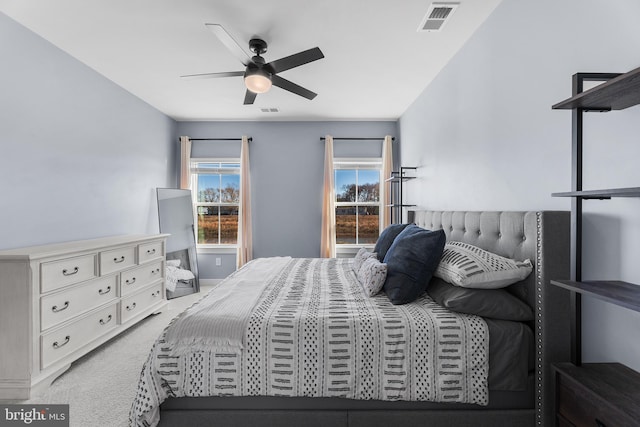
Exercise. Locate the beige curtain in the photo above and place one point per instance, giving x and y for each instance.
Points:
(245, 241)
(328, 237)
(387, 168)
(185, 162)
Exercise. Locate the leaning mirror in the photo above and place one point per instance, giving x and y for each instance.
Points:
(175, 213)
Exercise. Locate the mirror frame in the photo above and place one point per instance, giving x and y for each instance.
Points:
(185, 252)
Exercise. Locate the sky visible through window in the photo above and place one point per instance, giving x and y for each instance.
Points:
(216, 182)
(347, 177)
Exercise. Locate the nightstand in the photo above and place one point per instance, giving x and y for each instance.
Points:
(597, 395)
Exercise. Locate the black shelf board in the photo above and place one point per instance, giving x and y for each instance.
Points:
(399, 178)
(616, 94)
(602, 194)
(617, 292)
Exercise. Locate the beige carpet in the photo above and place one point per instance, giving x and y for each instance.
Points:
(100, 387)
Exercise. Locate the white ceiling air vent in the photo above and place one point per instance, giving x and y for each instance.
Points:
(269, 110)
(437, 15)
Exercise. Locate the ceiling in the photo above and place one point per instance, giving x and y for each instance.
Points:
(376, 62)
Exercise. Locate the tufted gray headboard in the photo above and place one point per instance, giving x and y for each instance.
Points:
(542, 237)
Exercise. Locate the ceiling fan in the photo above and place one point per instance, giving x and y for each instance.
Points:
(259, 75)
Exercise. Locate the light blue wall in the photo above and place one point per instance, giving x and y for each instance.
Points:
(79, 156)
(287, 161)
(486, 138)
(82, 157)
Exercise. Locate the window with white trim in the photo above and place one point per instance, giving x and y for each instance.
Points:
(358, 201)
(215, 186)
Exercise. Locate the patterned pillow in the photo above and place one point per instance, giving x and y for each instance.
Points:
(372, 275)
(469, 266)
(361, 257)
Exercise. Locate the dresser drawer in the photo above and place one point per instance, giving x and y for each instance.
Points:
(137, 278)
(57, 274)
(117, 259)
(150, 251)
(66, 340)
(61, 306)
(137, 303)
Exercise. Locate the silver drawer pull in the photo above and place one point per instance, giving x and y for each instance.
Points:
(119, 260)
(151, 251)
(66, 340)
(66, 272)
(155, 294)
(101, 292)
(102, 322)
(55, 308)
(131, 307)
(130, 282)
(156, 271)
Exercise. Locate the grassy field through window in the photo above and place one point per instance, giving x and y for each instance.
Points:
(208, 226)
(368, 232)
(368, 229)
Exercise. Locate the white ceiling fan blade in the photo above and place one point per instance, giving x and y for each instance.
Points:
(230, 43)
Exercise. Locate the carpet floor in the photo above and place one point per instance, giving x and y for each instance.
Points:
(100, 386)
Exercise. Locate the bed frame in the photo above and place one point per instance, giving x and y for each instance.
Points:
(542, 237)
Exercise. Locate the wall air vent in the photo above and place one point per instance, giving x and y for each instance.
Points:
(269, 110)
(437, 16)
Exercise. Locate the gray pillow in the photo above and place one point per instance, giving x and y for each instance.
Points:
(492, 303)
(386, 239)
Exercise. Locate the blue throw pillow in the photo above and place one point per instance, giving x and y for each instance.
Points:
(411, 261)
(386, 239)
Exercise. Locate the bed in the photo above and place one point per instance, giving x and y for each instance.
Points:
(178, 392)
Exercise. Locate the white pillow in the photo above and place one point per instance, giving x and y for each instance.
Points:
(469, 266)
(360, 257)
(372, 275)
(173, 262)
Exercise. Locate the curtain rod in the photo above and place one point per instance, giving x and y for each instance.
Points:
(322, 138)
(217, 139)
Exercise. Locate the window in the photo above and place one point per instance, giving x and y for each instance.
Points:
(358, 201)
(216, 193)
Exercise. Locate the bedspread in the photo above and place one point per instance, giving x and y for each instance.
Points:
(313, 332)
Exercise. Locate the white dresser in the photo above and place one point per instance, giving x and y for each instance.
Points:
(60, 301)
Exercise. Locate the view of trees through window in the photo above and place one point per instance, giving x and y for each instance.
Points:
(357, 206)
(217, 202)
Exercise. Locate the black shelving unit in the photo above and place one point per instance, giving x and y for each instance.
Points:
(619, 91)
(579, 388)
(397, 179)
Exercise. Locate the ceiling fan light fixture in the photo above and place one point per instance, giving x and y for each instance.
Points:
(258, 81)
(258, 74)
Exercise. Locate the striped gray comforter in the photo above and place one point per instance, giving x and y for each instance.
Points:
(313, 332)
